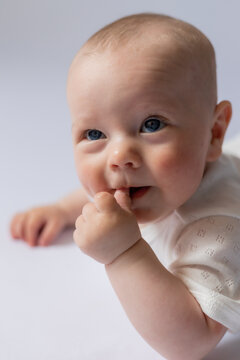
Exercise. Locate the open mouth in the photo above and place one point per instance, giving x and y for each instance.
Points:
(137, 192)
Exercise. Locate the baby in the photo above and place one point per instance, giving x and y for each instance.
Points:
(160, 203)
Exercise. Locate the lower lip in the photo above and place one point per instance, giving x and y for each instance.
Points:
(140, 193)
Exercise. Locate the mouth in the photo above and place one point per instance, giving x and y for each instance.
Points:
(138, 192)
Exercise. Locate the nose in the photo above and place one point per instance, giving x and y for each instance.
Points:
(124, 156)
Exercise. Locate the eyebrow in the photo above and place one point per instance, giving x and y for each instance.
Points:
(75, 126)
(84, 120)
(82, 123)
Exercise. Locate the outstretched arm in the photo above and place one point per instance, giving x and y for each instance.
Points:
(41, 225)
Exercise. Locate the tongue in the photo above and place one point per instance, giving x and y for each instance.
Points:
(123, 199)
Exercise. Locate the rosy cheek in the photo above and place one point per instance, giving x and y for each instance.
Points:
(90, 176)
(170, 168)
(166, 160)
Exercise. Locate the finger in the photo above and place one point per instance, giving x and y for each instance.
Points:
(13, 227)
(75, 237)
(123, 199)
(79, 231)
(79, 221)
(33, 227)
(105, 202)
(49, 233)
(88, 210)
(17, 226)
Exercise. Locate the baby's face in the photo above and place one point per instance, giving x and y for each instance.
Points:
(138, 125)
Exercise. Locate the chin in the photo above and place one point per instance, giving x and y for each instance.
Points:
(145, 216)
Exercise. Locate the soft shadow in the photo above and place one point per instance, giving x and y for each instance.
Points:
(65, 238)
(229, 350)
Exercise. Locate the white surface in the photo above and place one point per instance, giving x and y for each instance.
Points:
(55, 303)
(58, 304)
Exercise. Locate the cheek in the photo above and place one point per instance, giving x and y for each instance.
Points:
(177, 166)
(89, 172)
(169, 167)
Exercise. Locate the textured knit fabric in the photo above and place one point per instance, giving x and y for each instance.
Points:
(200, 242)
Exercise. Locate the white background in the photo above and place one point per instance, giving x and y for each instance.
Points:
(55, 303)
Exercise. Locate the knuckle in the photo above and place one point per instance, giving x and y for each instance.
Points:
(78, 222)
(88, 207)
(104, 200)
(33, 222)
(82, 241)
(103, 195)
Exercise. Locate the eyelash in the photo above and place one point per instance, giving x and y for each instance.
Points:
(162, 125)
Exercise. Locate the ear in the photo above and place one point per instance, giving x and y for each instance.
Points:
(222, 117)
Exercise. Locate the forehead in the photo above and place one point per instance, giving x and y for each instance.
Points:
(140, 67)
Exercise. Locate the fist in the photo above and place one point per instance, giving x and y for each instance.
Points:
(107, 227)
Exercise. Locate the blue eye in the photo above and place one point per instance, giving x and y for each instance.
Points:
(152, 125)
(94, 134)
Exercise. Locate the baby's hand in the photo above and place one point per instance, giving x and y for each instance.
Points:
(40, 225)
(106, 227)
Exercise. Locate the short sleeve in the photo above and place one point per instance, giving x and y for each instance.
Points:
(207, 260)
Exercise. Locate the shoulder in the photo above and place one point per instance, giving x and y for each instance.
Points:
(206, 259)
(212, 235)
(218, 193)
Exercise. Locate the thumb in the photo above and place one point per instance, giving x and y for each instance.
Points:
(123, 199)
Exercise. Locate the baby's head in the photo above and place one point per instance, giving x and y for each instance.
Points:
(143, 100)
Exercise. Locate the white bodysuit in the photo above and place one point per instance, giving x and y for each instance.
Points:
(200, 242)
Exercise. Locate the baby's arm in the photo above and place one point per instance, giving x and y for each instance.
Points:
(160, 306)
(41, 225)
(157, 303)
